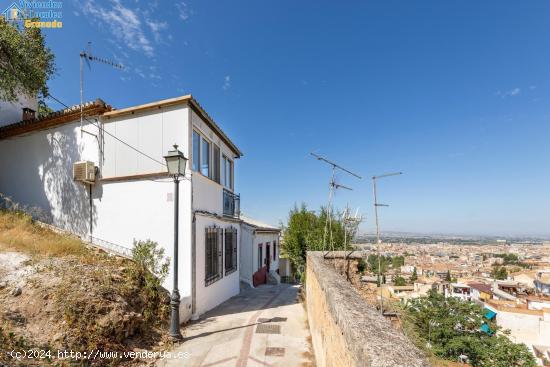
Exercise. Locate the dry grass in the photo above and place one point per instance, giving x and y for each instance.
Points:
(18, 232)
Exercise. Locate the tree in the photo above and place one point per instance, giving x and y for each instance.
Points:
(448, 276)
(453, 328)
(397, 261)
(414, 276)
(26, 64)
(305, 231)
(499, 272)
(399, 281)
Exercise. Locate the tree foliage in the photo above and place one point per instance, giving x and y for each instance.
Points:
(414, 276)
(399, 281)
(499, 272)
(386, 262)
(453, 327)
(305, 231)
(26, 64)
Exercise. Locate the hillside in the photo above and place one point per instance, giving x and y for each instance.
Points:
(58, 295)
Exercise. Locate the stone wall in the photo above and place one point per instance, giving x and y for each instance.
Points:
(345, 330)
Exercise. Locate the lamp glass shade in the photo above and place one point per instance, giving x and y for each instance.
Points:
(176, 163)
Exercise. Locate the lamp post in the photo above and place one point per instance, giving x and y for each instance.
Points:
(376, 205)
(175, 162)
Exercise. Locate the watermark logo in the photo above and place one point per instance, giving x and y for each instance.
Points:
(35, 14)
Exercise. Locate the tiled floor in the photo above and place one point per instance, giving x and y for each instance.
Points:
(229, 334)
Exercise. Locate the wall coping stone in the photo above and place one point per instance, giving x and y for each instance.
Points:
(371, 339)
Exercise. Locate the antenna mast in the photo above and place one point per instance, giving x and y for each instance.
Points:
(87, 56)
(332, 187)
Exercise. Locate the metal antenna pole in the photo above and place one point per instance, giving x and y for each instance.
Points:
(332, 186)
(378, 241)
(378, 244)
(87, 56)
(81, 92)
(329, 206)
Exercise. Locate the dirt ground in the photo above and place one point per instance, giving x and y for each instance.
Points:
(67, 303)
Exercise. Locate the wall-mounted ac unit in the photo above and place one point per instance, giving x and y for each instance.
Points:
(84, 172)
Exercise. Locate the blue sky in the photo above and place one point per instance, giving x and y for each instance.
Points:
(453, 93)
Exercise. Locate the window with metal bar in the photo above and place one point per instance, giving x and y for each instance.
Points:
(230, 250)
(213, 254)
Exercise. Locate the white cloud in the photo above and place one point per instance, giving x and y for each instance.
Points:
(510, 93)
(184, 10)
(226, 82)
(156, 28)
(123, 22)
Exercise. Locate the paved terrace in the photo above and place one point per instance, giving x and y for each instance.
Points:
(265, 326)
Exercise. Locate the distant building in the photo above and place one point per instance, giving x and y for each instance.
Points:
(528, 323)
(260, 250)
(542, 282)
(459, 290)
(480, 292)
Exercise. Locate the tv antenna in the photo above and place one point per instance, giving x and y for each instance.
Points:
(351, 224)
(332, 187)
(87, 56)
(378, 241)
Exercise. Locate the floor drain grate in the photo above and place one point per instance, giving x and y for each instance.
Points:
(268, 329)
(275, 352)
(262, 320)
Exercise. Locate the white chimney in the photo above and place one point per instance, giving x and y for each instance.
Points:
(10, 112)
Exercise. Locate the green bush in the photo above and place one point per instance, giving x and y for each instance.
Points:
(150, 270)
(361, 266)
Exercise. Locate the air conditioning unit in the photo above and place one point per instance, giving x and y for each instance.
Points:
(84, 172)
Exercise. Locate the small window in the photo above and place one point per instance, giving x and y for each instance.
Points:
(227, 172)
(216, 163)
(205, 158)
(213, 255)
(196, 150)
(230, 250)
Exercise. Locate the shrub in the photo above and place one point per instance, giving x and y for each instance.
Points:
(150, 270)
(361, 266)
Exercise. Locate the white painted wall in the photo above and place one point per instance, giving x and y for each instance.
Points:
(262, 239)
(228, 286)
(37, 171)
(152, 132)
(525, 328)
(207, 194)
(246, 258)
(11, 112)
(144, 210)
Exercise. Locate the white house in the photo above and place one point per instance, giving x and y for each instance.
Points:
(528, 324)
(459, 290)
(260, 251)
(131, 197)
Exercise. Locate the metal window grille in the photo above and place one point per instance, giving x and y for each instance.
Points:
(213, 254)
(230, 250)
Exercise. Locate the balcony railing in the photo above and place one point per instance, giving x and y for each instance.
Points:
(231, 204)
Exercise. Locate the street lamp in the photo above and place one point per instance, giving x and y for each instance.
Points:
(376, 205)
(175, 162)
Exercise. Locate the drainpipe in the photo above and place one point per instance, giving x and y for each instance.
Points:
(194, 315)
(91, 213)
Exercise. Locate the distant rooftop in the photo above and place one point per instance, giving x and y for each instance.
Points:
(259, 225)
